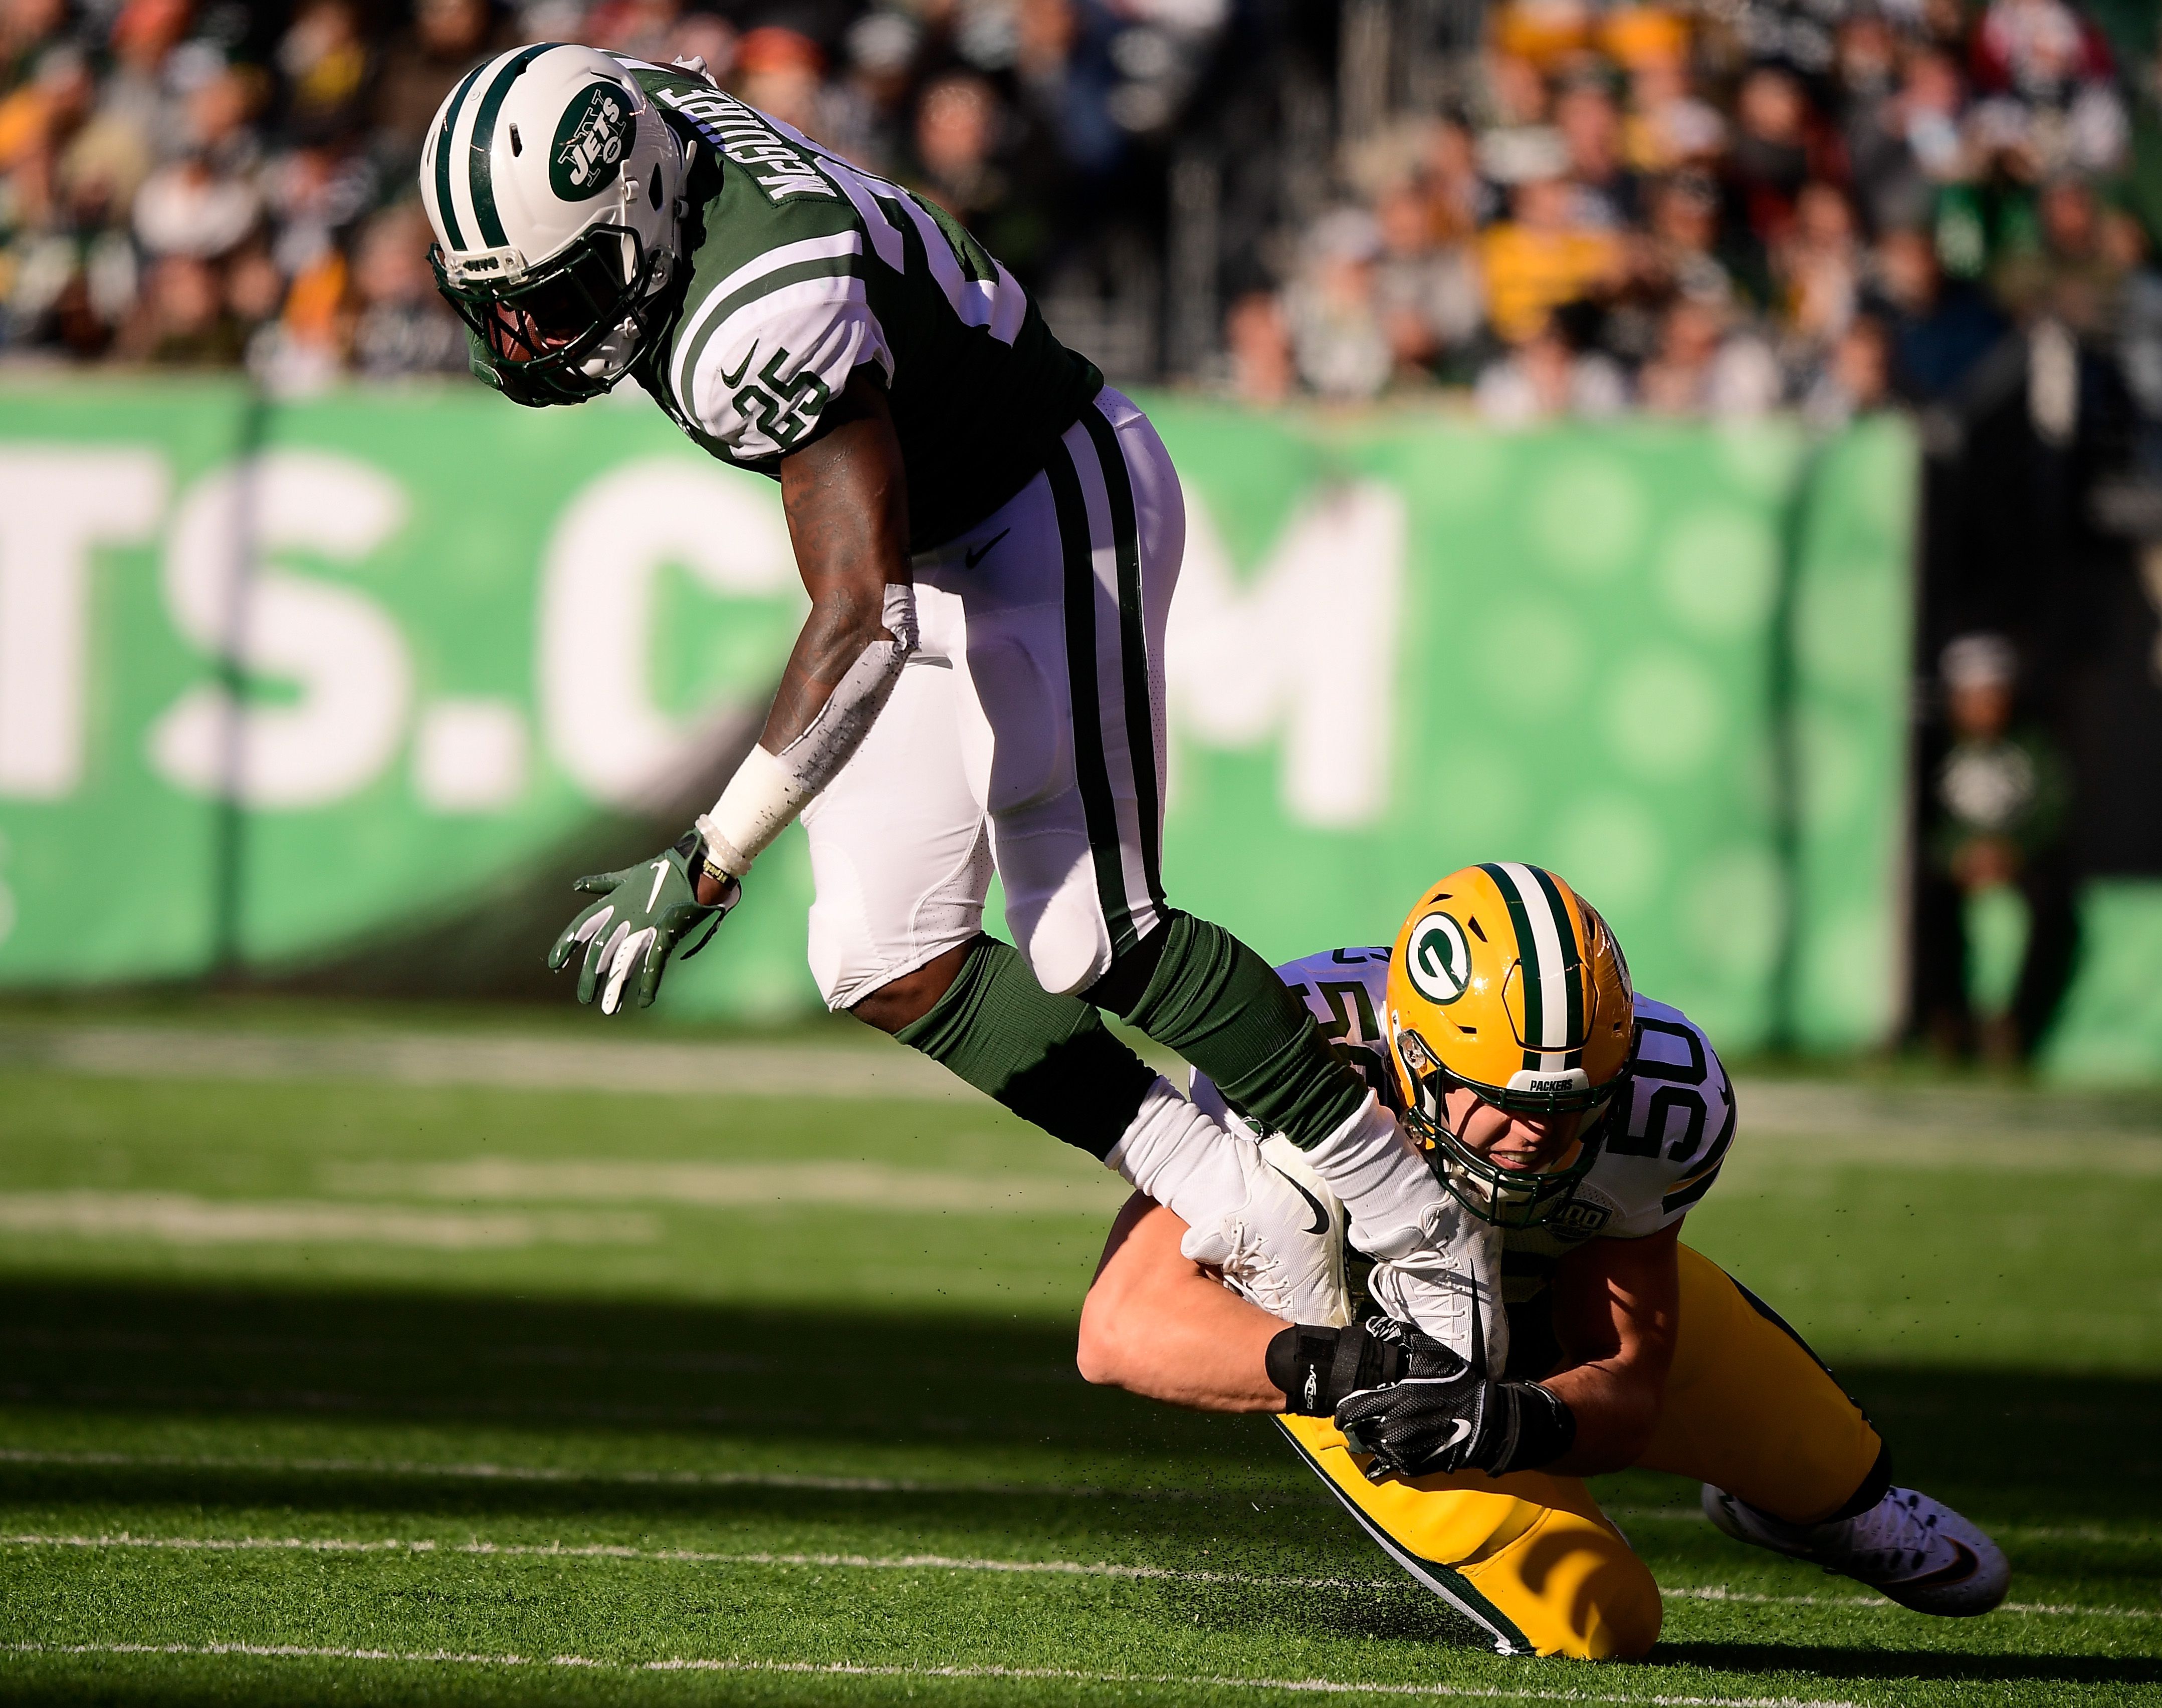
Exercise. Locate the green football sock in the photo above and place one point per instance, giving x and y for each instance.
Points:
(1050, 1059)
(1219, 1005)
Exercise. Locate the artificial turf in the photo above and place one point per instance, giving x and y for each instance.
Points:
(536, 1434)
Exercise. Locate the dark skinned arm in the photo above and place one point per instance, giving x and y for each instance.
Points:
(846, 497)
(1616, 1303)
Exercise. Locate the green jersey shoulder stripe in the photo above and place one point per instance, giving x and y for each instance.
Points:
(841, 253)
(981, 293)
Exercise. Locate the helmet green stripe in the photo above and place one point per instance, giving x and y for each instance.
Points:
(444, 206)
(483, 169)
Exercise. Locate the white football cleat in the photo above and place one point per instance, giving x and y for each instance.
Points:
(1283, 1247)
(1915, 1549)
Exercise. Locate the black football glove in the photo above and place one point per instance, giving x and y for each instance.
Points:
(1443, 1416)
(645, 912)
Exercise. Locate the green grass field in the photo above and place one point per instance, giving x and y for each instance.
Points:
(335, 1365)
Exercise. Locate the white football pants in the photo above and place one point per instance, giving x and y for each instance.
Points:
(1025, 736)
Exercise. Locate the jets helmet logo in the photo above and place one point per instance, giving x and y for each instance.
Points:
(589, 144)
(1438, 960)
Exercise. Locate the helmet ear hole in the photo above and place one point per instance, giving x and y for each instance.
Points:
(517, 142)
(653, 186)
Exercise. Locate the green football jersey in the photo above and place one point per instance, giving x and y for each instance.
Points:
(803, 268)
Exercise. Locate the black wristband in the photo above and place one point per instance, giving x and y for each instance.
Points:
(1546, 1428)
(1316, 1367)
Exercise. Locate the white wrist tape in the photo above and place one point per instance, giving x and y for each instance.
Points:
(760, 802)
(769, 789)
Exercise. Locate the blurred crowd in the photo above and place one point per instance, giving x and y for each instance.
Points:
(1723, 207)
(1680, 206)
(186, 182)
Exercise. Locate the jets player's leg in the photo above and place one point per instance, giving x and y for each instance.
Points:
(1789, 1463)
(900, 861)
(1088, 603)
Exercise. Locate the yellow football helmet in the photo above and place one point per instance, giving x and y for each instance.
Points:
(1506, 981)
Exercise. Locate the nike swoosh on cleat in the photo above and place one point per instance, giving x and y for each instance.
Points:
(729, 379)
(1320, 1215)
(1959, 1571)
(976, 555)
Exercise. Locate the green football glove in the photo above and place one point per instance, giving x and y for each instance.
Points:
(645, 912)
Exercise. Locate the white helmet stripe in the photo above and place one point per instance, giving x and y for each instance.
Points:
(1546, 962)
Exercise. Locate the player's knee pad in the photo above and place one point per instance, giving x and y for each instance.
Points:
(1529, 1558)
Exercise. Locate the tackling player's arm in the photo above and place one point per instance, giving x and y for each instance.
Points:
(1157, 1323)
(1616, 1303)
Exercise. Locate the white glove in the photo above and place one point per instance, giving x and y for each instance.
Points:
(1437, 1266)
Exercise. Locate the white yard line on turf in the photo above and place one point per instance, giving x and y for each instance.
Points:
(1332, 1687)
(917, 1562)
(183, 1219)
(527, 1064)
(484, 1472)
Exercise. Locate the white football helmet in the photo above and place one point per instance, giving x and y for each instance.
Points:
(552, 185)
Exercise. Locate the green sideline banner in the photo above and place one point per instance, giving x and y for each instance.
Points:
(319, 669)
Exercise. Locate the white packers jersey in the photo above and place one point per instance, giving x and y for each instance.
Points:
(803, 268)
(1662, 1144)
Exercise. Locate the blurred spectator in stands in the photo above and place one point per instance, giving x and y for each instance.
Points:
(1546, 378)
(2048, 86)
(1669, 127)
(1606, 190)
(402, 326)
(1708, 366)
(1771, 157)
(780, 70)
(1817, 270)
(423, 62)
(1939, 327)
(868, 113)
(1341, 348)
(144, 86)
(183, 320)
(2070, 274)
(27, 29)
(324, 57)
(1543, 256)
(1855, 380)
(1425, 292)
(209, 199)
(1997, 806)
(1257, 343)
(643, 28)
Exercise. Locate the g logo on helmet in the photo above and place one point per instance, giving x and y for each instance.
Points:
(590, 141)
(1438, 958)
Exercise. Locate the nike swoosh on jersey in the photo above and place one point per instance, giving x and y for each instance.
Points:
(729, 379)
(1958, 1571)
(1320, 1215)
(976, 555)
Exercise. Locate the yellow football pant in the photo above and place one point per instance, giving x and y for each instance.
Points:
(1531, 1558)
